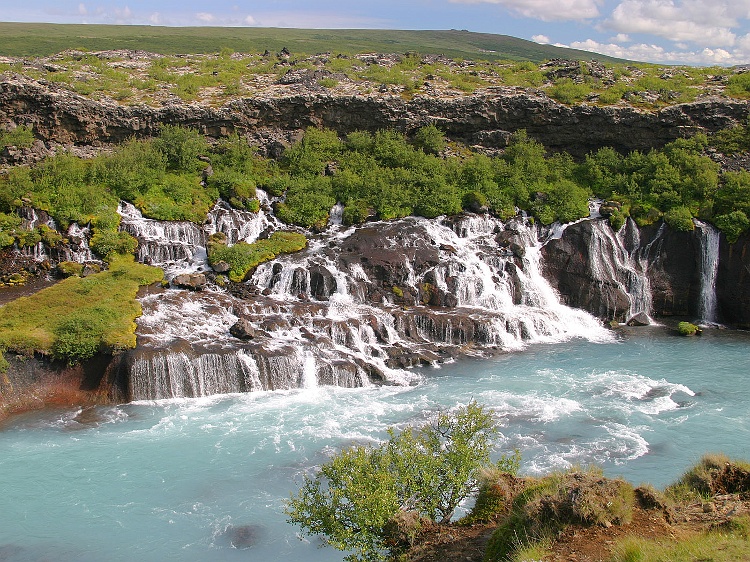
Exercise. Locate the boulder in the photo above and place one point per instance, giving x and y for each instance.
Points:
(242, 329)
(639, 319)
(221, 267)
(192, 281)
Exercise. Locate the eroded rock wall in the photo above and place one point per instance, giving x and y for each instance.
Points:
(487, 119)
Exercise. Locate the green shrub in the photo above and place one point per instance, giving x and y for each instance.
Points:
(430, 139)
(617, 220)
(108, 242)
(680, 219)
(732, 225)
(568, 92)
(426, 470)
(20, 137)
(181, 147)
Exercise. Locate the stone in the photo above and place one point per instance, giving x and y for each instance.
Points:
(242, 329)
(221, 267)
(639, 319)
(192, 281)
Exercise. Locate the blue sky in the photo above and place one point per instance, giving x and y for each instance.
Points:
(668, 31)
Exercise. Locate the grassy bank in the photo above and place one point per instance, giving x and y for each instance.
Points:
(79, 317)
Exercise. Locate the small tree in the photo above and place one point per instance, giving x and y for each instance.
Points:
(427, 470)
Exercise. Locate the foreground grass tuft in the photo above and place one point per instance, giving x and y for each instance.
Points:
(726, 543)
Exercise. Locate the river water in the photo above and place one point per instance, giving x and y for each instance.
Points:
(182, 479)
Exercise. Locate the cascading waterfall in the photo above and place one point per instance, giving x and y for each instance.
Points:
(332, 314)
(710, 239)
(627, 268)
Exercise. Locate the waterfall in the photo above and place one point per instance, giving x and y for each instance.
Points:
(709, 266)
(612, 262)
(359, 305)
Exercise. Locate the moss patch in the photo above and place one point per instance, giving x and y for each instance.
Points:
(243, 257)
(78, 317)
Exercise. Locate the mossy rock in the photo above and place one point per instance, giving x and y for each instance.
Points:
(688, 329)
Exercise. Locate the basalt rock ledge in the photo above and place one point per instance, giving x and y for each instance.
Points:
(486, 118)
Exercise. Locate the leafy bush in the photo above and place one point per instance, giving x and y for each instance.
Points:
(426, 470)
(568, 92)
(181, 147)
(430, 139)
(732, 225)
(680, 219)
(108, 242)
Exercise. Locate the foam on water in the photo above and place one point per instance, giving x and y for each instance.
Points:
(172, 476)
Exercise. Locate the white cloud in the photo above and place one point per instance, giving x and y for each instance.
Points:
(658, 54)
(250, 20)
(701, 22)
(543, 39)
(621, 38)
(155, 19)
(82, 9)
(205, 17)
(547, 10)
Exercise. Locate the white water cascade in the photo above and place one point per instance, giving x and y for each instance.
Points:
(628, 266)
(359, 305)
(709, 266)
(180, 246)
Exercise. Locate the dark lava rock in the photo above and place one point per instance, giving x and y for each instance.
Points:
(242, 329)
(192, 281)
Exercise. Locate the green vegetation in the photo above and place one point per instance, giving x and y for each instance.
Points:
(687, 329)
(20, 137)
(79, 317)
(714, 474)
(384, 175)
(372, 499)
(728, 542)
(243, 257)
(33, 39)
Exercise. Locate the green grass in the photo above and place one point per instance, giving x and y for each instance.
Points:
(78, 317)
(38, 39)
(727, 543)
(243, 257)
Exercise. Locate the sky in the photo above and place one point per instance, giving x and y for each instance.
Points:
(704, 32)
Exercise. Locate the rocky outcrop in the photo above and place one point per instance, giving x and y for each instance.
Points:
(34, 382)
(669, 262)
(487, 119)
(733, 281)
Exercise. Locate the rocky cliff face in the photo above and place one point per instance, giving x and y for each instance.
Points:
(486, 119)
(651, 269)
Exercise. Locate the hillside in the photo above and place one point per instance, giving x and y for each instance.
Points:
(39, 39)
